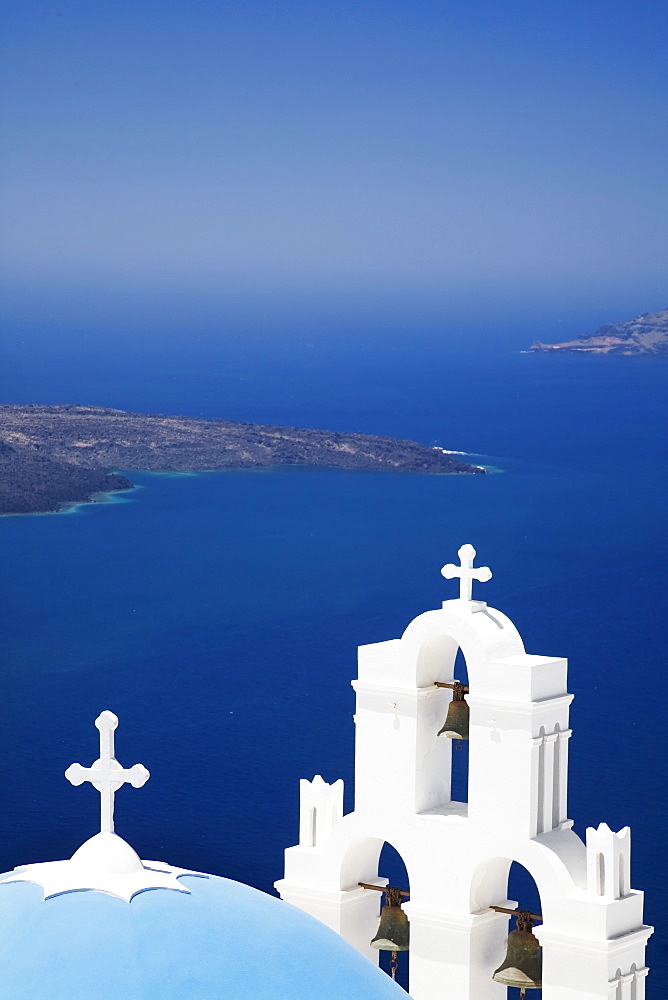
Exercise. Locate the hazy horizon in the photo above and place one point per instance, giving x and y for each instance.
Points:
(212, 163)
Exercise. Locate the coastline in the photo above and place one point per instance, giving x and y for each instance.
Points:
(100, 498)
(53, 458)
(117, 496)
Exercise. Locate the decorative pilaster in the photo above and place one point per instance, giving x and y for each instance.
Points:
(549, 790)
(536, 786)
(628, 986)
(641, 977)
(550, 780)
(561, 818)
(626, 983)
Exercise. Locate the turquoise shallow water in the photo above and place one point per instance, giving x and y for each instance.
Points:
(218, 614)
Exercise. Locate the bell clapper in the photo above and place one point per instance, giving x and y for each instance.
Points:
(393, 965)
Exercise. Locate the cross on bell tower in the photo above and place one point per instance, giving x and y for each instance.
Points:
(106, 774)
(466, 573)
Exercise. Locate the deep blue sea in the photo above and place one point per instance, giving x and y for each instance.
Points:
(218, 614)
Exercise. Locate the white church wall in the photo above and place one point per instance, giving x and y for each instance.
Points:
(458, 854)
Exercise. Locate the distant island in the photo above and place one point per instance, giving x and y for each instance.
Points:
(646, 334)
(51, 456)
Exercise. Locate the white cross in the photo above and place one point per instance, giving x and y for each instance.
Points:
(106, 774)
(466, 573)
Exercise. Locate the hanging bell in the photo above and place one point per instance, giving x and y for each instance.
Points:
(393, 930)
(523, 964)
(456, 725)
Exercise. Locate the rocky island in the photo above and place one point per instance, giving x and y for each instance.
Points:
(56, 455)
(646, 334)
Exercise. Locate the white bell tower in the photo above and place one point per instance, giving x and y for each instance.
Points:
(458, 854)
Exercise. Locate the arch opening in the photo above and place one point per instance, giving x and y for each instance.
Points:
(459, 773)
(391, 866)
(365, 860)
(522, 887)
(441, 660)
(496, 881)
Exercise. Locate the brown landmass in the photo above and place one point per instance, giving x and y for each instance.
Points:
(56, 455)
(646, 334)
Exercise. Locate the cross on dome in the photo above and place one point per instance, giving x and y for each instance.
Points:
(105, 863)
(466, 573)
(106, 774)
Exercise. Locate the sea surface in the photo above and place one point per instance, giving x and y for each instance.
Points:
(218, 614)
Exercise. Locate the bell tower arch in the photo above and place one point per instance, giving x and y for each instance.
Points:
(457, 854)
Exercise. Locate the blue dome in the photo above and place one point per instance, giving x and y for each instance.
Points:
(223, 941)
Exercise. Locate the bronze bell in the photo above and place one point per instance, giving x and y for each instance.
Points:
(523, 964)
(393, 931)
(456, 725)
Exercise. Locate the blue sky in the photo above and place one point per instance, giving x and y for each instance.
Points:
(441, 156)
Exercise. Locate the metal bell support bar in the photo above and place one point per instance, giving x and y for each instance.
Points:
(536, 917)
(384, 888)
(393, 930)
(456, 725)
(523, 964)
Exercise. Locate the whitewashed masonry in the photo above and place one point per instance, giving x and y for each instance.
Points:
(458, 854)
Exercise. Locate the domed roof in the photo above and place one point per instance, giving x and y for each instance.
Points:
(106, 924)
(220, 939)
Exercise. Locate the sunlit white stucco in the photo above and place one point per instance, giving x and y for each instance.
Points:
(458, 854)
